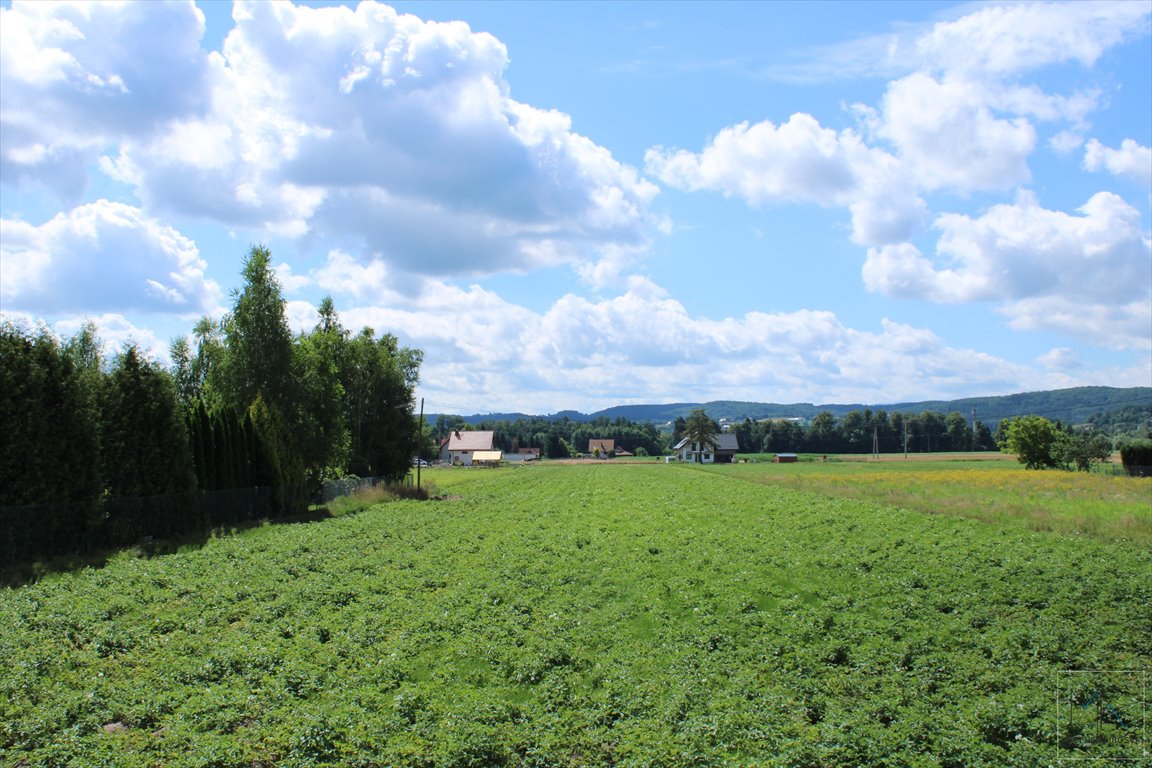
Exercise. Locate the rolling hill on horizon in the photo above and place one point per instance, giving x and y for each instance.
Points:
(1075, 405)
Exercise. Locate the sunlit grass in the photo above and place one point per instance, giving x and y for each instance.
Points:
(1102, 506)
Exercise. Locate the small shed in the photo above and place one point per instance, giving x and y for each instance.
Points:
(786, 458)
(487, 458)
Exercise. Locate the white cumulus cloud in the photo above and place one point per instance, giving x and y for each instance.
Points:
(1089, 275)
(70, 85)
(387, 135)
(479, 347)
(799, 161)
(958, 118)
(99, 257)
(1132, 160)
(950, 137)
(1009, 39)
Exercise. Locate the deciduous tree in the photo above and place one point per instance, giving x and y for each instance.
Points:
(1035, 440)
(379, 378)
(320, 415)
(259, 343)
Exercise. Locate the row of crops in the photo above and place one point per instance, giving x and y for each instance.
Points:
(589, 616)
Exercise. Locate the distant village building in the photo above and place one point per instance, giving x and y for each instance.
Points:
(786, 458)
(461, 447)
(605, 448)
(601, 447)
(727, 444)
(523, 454)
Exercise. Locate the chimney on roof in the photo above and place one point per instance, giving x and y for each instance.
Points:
(457, 433)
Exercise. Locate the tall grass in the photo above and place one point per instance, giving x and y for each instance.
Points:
(370, 496)
(1077, 503)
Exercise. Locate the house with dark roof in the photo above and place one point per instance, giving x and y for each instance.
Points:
(460, 447)
(523, 454)
(721, 453)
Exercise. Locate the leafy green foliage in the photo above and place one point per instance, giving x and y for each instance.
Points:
(1082, 449)
(321, 430)
(1136, 456)
(559, 438)
(1039, 444)
(1132, 421)
(145, 454)
(258, 362)
(1036, 441)
(592, 616)
(1075, 405)
(277, 463)
(48, 427)
(94, 455)
(49, 444)
(379, 377)
(145, 445)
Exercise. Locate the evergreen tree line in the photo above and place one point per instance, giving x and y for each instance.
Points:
(246, 424)
(864, 431)
(858, 431)
(825, 433)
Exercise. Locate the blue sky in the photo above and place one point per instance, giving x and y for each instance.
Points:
(578, 205)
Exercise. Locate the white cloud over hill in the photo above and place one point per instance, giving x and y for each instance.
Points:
(389, 152)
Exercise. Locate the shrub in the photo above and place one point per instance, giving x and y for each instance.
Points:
(1137, 457)
(370, 496)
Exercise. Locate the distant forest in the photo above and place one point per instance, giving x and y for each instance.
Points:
(1076, 406)
(1120, 414)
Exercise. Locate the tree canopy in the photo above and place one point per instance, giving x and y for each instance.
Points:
(98, 451)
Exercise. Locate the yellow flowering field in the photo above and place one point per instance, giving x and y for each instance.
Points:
(1100, 506)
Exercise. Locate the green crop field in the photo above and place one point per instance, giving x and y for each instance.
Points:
(613, 615)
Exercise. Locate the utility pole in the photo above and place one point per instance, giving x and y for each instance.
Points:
(905, 439)
(973, 428)
(876, 442)
(420, 438)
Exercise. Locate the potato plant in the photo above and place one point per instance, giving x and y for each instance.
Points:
(586, 616)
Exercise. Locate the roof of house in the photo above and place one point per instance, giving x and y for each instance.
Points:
(725, 441)
(728, 442)
(477, 440)
(603, 443)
